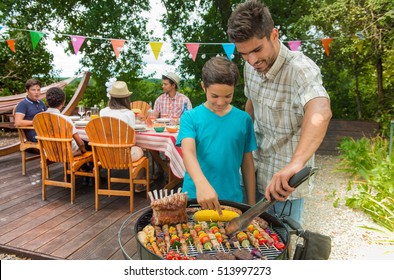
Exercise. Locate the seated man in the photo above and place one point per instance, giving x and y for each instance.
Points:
(171, 103)
(29, 107)
(56, 99)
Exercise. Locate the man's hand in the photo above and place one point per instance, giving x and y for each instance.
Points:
(279, 186)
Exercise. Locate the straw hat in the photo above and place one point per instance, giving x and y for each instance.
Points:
(173, 77)
(119, 90)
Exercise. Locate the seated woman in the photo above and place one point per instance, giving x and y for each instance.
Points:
(119, 107)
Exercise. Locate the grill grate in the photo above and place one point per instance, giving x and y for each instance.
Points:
(270, 253)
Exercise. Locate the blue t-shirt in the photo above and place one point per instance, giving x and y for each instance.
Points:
(30, 108)
(221, 142)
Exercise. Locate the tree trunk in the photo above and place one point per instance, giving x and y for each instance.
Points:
(358, 96)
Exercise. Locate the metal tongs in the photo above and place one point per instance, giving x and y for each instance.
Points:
(242, 221)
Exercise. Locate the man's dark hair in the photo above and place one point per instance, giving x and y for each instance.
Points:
(32, 82)
(55, 97)
(248, 20)
(220, 70)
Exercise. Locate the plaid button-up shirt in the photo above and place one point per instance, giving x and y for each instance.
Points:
(278, 99)
(173, 107)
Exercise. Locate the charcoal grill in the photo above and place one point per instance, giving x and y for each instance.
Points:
(144, 217)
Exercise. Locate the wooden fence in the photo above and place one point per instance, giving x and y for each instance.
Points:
(338, 129)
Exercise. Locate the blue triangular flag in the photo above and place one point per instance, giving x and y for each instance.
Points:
(229, 49)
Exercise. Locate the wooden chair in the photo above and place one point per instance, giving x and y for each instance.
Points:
(142, 105)
(26, 146)
(111, 140)
(54, 134)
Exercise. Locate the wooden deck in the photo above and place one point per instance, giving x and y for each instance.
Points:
(55, 228)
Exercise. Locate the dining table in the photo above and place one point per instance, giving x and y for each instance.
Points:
(164, 142)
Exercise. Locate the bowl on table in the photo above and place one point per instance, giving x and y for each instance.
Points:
(159, 128)
(172, 128)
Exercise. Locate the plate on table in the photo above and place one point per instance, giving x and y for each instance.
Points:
(75, 118)
(163, 120)
(81, 123)
(140, 127)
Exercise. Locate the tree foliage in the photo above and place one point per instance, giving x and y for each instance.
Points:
(358, 74)
(98, 20)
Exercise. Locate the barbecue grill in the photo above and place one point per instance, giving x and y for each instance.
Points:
(143, 218)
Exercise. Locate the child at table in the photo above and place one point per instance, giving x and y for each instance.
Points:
(217, 139)
(55, 99)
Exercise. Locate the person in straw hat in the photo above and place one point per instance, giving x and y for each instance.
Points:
(119, 107)
(171, 104)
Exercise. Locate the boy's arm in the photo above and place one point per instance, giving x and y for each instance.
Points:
(206, 194)
(80, 143)
(249, 177)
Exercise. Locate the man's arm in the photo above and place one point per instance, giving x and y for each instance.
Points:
(206, 194)
(249, 108)
(249, 177)
(314, 126)
(19, 121)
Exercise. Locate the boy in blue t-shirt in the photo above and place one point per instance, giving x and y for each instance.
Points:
(217, 139)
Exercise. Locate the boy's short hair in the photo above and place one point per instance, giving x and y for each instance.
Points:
(55, 97)
(32, 82)
(220, 70)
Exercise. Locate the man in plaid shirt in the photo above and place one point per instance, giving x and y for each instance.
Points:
(171, 103)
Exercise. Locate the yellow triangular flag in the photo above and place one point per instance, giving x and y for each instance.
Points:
(156, 47)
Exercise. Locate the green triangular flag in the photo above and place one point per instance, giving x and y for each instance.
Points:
(36, 37)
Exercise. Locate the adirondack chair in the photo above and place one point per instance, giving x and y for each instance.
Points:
(26, 146)
(142, 105)
(54, 135)
(111, 140)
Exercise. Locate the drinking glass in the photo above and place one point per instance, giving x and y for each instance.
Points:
(81, 110)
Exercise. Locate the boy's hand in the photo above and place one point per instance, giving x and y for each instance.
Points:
(208, 198)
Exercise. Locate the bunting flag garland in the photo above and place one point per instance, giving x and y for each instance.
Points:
(11, 44)
(294, 45)
(117, 45)
(77, 42)
(229, 49)
(193, 49)
(156, 47)
(326, 44)
(36, 37)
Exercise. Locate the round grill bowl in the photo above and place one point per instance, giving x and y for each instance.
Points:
(138, 220)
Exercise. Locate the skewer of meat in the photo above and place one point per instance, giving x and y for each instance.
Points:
(160, 240)
(167, 237)
(196, 241)
(253, 240)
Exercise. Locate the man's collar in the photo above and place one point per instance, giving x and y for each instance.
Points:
(31, 101)
(280, 60)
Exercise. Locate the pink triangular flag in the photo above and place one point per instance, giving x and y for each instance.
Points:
(117, 45)
(193, 49)
(77, 42)
(294, 45)
(326, 44)
(11, 44)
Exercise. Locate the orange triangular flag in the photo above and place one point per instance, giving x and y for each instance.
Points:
(11, 44)
(156, 47)
(326, 44)
(117, 45)
(193, 49)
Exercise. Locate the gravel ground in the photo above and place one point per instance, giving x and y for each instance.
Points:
(342, 224)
